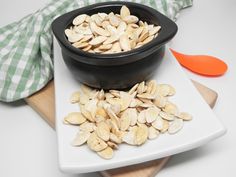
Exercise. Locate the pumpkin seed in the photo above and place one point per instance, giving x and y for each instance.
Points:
(98, 40)
(79, 19)
(124, 12)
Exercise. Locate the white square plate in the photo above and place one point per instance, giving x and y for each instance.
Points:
(203, 128)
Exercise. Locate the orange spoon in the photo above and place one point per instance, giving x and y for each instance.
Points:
(201, 64)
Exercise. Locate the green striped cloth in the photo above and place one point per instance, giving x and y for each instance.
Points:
(26, 56)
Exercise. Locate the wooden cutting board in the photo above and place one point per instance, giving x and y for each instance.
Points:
(43, 103)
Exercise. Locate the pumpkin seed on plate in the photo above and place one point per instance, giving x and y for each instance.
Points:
(109, 118)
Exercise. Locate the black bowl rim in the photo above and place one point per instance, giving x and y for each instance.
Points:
(61, 22)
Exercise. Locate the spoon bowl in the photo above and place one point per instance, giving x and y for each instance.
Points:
(201, 64)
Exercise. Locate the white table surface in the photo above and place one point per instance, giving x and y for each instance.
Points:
(28, 145)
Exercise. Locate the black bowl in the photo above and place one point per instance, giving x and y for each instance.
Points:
(120, 70)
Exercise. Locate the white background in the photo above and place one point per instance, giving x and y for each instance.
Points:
(28, 145)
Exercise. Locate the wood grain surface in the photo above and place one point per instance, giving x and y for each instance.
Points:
(43, 103)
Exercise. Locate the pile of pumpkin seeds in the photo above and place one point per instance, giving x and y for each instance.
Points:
(109, 118)
(110, 33)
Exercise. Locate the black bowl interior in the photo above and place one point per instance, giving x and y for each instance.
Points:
(144, 13)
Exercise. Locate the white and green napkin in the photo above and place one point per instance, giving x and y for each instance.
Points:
(26, 56)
